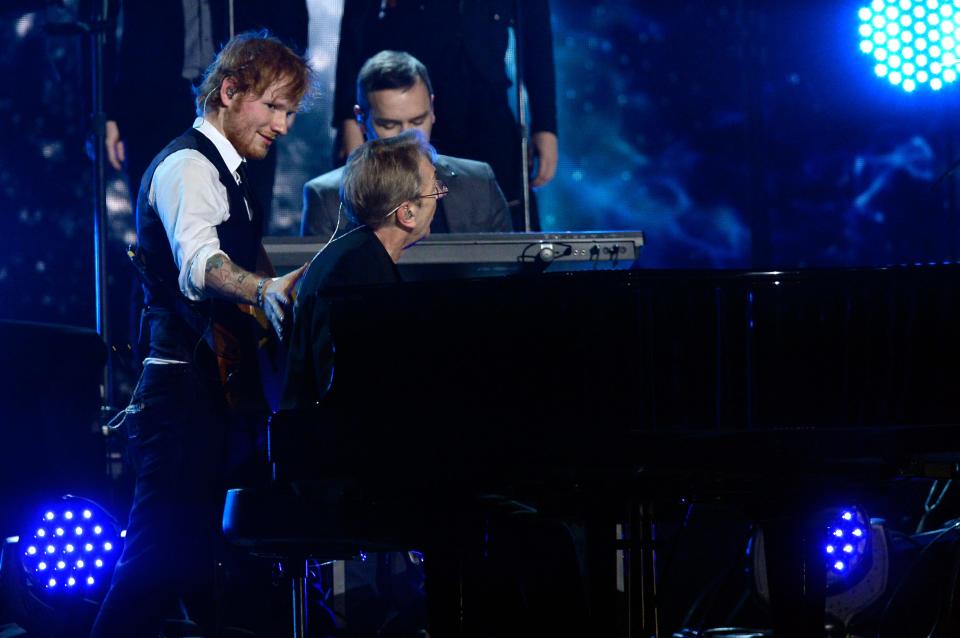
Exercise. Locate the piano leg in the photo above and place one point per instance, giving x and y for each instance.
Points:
(797, 575)
(444, 583)
(641, 583)
(298, 579)
(615, 566)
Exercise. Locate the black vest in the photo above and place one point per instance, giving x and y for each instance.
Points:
(175, 327)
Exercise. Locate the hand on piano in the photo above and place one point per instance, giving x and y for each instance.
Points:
(278, 298)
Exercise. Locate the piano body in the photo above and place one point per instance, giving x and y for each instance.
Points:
(619, 387)
(582, 361)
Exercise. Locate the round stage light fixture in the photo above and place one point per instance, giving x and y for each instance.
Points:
(54, 575)
(919, 32)
(51, 556)
(855, 557)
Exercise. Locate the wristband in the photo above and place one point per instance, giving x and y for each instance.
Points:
(260, 285)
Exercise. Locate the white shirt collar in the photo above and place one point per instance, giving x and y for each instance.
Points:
(229, 154)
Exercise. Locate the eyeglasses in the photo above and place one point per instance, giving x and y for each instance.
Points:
(440, 191)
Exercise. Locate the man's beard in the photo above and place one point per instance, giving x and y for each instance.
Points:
(243, 139)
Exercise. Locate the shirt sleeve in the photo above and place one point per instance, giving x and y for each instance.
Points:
(191, 202)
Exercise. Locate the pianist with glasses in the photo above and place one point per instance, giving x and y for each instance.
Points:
(390, 191)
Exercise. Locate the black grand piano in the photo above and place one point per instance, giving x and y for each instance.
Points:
(614, 389)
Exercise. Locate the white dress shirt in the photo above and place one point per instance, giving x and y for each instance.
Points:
(187, 193)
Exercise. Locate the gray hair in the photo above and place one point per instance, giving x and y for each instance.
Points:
(381, 174)
(389, 70)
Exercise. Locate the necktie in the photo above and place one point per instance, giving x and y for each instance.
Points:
(253, 207)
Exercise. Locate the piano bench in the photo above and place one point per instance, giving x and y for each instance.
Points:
(297, 519)
(294, 522)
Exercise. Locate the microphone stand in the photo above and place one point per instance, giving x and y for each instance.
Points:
(96, 29)
(97, 45)
(522, 109)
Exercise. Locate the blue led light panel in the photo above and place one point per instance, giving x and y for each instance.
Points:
(72, 549)
(847, 543)
(913, 43)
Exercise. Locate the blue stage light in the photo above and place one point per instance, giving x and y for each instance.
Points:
(72, 518)
(922, 30)
(846, 530)
(855, 558)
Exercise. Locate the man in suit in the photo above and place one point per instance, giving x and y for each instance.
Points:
(394, 94)
(464, 45)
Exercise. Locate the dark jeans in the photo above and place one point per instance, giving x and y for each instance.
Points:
(175, 433)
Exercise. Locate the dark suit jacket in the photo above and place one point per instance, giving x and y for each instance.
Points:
(465, 43)
(473, 205)
(356, 259)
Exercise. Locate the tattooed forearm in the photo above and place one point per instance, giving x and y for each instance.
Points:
(224, 279)
(214, 262)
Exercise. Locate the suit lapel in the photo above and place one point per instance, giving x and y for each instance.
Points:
(457, 206)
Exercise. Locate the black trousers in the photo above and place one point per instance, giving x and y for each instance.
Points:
(175, 428)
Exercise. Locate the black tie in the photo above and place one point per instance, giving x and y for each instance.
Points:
(248, 194)
(244, 182)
